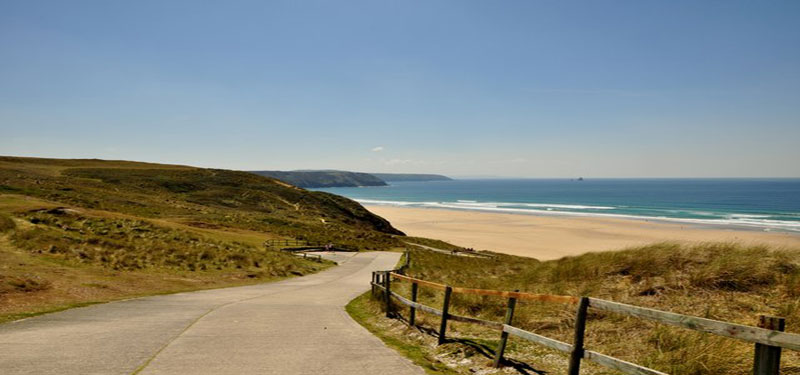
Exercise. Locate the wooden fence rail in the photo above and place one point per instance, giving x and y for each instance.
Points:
(287, 242)
(769, 337)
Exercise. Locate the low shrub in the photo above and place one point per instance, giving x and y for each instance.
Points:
(6, 223)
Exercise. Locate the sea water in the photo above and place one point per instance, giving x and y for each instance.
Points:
(763, 204)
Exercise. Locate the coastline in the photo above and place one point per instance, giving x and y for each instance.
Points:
(550, 237)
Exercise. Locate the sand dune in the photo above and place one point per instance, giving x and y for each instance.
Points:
(551, 237)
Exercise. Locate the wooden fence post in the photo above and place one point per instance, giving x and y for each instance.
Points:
(498, 358)
(372, 284)
(412, 314)
(388, 297)
(445, 311)
(768, 358)
(577, 344)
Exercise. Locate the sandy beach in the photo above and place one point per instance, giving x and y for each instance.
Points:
(552, 237)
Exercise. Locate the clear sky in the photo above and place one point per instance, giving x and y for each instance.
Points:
(506, 88)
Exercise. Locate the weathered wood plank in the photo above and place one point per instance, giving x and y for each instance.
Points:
(767, 359)
(509, 319)
(518, 295)
(577, 343)
(429, 310)
(388, 296)
(466, 319)
(459, 318)
(445, 315)
(539, 339)
(417, 305)
(412, 312)
(732, 330)
(420, 282)
(619, 365)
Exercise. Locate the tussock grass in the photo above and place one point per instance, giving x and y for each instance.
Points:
(206, 197)
(6, 224)
(724, 281)
(80, 231)
(126, 244)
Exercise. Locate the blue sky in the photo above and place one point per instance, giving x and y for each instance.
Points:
(505, 88)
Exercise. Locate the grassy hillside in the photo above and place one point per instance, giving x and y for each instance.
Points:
(77, 231)
(321, 179)
(197, 197)
(720, 281)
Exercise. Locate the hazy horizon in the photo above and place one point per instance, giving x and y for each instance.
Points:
(523, 89)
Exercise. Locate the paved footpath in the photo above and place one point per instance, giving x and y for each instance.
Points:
(295, 326)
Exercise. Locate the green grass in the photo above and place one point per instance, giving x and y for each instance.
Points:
(723, 281)
(6, 223)
(216, 198)
(24, 315)
(364, 313)
(130, 244)
(74, 232)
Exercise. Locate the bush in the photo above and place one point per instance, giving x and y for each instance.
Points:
(6, 224)
(125, 244)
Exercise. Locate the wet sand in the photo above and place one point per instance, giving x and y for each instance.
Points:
(552, 237)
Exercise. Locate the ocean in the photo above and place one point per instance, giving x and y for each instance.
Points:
(761, 204)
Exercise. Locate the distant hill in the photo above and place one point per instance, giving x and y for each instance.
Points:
(398, 177)
(334, 178)
(322, 179)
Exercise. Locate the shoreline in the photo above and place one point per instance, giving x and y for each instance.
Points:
(740, 224)
(553, 236)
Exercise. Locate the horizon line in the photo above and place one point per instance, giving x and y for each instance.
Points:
(453, 176)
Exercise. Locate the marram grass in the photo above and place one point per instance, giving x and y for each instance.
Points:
(723, 281)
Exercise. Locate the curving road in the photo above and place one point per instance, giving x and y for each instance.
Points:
(296, 326)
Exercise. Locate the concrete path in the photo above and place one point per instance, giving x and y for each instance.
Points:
(296, 326)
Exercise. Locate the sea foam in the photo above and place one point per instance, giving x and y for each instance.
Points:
(716, 219)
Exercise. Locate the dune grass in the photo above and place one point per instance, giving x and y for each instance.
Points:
(74, 232)
(723, 281)
(210, 198)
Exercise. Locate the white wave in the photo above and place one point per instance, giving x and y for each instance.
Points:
(741, 220)
(747, 216)
(391, 203)
(535, 205)
(568, 206)
(762, 223)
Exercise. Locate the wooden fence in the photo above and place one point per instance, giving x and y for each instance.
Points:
(290, 243)
(296, 246)
(768, 337)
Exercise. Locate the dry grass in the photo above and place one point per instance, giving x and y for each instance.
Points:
(51, 259)
(6, 224)
(209, 198)
(80, 231)
(722, 281)
(32, 283)
(126, 244)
